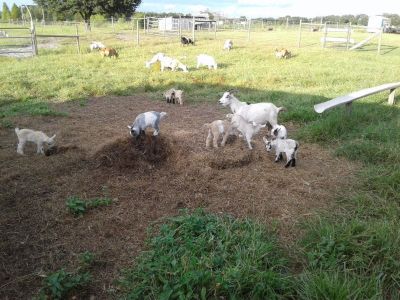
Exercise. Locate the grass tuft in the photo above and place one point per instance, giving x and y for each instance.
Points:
(202, 256)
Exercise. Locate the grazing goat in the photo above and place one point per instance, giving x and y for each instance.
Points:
(96, 46)
(279, 132)
(228, 45)
(247, 129)
(3, 33)
(206, 60)
(108, 52)
(37, 137)
(283, 53)
(169, 96)
(145, 120)
(215, 130)
(186, 41)
(154, 59)
(287, 146)
(259, 113)
(172, 63)
(179, 96)
(173, 95)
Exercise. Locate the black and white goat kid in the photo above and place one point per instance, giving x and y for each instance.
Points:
(287, 146)
(186, 41)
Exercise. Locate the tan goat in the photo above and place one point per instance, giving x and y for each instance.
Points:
(217, 128)
(108, 52)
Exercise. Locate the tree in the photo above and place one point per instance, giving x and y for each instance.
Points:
(15, 12)
(88, 8)
(5, 12)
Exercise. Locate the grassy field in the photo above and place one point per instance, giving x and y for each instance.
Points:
(351, 252)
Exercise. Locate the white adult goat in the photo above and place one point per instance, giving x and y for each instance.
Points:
(259, 113)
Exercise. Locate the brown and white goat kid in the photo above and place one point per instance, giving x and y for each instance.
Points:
(37, 137)
(215, 130)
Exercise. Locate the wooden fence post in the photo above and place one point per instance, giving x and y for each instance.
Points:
(77, 39)
(137, 33)
(248, 30)
(193, 29)
(380, 41)
(299, 41)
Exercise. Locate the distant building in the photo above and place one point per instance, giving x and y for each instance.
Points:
(375, 23)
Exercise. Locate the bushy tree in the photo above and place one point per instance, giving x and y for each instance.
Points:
(15, 12)
(5, 12)
(87, 8)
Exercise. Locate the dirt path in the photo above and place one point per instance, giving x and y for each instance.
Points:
(100, 160)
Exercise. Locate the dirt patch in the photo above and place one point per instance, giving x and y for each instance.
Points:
(147, 179)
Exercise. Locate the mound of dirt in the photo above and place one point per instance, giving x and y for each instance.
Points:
(130, 153)
(60, 149)
(229, 158)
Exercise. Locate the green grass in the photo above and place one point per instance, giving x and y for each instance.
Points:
(203, 256)
(350, 252)
(78, 206)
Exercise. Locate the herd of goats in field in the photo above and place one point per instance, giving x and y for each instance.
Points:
(245, 119)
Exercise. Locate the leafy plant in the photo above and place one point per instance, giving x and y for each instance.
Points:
(59, 284)
(77, 206)
(201, 256)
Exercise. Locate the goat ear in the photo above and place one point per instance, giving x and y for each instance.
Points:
(130, 127)
(53, 137)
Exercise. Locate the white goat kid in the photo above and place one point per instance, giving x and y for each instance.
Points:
(287, 146)
(206, 60)
(259, 113)
(279, 132)
(247, 129)
(215, 130)
(154, 59)
(228, 45)
(37, 137)
(96, 46)
(150, 119)
(172, 63)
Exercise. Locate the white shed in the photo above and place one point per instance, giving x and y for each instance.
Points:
(375, 23)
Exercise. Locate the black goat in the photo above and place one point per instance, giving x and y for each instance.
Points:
(186, 41)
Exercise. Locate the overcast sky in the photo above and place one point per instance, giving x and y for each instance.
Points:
(267, 8)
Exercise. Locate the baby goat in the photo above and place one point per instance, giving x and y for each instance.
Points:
(228, 45)
(247, 129)
(96, 46)
(173, 95)
(145, 120)
(215, 129)
(108, 52)
(37, 137)
(206, 60)
(279, 131)
(186, 41)
(287, 146)
(172, 63)
(283, 53)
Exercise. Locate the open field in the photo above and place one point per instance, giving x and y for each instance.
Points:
(335, 216)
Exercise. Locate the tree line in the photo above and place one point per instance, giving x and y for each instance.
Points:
(55, 10)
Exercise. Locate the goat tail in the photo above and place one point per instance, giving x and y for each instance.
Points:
(163, 114)
(281, 109)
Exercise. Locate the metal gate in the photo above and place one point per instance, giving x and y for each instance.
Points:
(17, 42)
